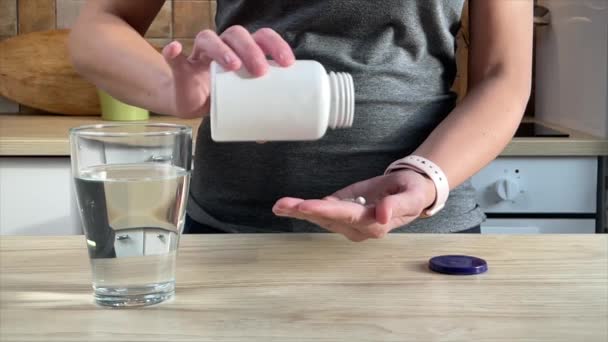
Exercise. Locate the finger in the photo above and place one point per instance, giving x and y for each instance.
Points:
(350, 219)
(275, 46)
(343, 214)
(173, 54)
(209, 46)
(347, 213)
(171, 50)
(332, 198)
(241, 42)
(185, 83)
(403, 204)
(350, 233)
(286, 205)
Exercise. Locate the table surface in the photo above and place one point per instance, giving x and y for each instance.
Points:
(320, 287)
(47, 135)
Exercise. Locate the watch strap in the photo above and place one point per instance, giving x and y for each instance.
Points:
(432, 171)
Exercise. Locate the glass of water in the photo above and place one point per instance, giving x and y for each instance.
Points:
(131, 182)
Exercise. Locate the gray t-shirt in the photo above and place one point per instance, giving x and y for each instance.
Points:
(401, 54)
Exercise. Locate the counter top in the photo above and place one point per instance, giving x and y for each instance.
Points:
(47, 135)
(319, 287)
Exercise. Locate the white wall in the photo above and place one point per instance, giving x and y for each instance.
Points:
(571, 86)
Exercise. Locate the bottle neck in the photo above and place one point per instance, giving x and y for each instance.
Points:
(342, 103)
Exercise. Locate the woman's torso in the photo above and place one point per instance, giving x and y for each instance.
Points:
(401, 54)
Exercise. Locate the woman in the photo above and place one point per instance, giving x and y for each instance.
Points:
(401, 54)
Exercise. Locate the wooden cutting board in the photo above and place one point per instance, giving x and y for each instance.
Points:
(35, 70)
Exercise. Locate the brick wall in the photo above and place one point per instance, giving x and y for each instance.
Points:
(178, 19)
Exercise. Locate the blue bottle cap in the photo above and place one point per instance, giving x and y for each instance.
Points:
(458, 264)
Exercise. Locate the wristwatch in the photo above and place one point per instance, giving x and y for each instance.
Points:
(432, 171)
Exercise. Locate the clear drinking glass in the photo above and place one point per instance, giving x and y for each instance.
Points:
(132, 183)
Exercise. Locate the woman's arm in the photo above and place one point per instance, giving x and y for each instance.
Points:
(108, 48)
(500, 69)
(470, 137)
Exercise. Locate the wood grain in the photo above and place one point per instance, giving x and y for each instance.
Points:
(35, 70)
(320, 288)
(44, 135)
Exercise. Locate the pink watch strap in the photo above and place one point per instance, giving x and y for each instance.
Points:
(427, 167)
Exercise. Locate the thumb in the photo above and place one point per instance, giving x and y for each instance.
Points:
(398, 205)
(173, 55)
(186, 81)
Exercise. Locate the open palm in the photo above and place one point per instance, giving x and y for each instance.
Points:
(393, 200)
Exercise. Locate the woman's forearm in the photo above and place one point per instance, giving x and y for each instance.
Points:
(500, 72)
(479, 128)
(113, 55)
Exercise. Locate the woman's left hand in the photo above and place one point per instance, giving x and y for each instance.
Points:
(393, 200)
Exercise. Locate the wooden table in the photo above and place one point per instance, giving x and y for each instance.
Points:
(320, 288)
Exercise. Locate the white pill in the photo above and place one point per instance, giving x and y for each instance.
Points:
(360, 200)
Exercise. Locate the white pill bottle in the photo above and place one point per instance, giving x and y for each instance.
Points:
(295, 103)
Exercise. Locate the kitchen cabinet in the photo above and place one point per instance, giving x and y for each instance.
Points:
(536, 195)
(532, 195)
(539, 185)
(528, 226)
(36, 197)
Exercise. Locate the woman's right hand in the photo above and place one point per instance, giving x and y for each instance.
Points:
(233, 49)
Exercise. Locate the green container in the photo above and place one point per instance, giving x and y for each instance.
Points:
(115, 110)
